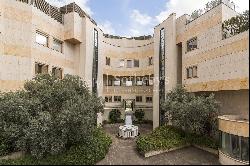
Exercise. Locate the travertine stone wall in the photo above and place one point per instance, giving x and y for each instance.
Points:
(19, 50)
(171, 61)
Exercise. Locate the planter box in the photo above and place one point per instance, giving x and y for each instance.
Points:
(13, 156)
(210, 150)
(157, 152)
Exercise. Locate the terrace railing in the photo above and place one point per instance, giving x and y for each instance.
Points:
(46, 8)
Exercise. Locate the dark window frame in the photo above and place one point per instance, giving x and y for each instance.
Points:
(138, 99)
(192, 44)
(117, 99)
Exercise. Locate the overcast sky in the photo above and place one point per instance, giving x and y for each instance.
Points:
(138, 17)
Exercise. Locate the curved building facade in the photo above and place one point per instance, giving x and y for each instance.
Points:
(36, 37)
(128, 73)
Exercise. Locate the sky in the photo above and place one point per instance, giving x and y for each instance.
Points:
(138, 17)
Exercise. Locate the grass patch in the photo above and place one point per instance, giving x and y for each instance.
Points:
(168, 137)
(87, 153)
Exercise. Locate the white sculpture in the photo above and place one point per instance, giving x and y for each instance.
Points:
(128, 130)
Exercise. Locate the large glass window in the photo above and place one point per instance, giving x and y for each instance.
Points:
(57, 45)
(95, 62)
(235, 146)
(162, 74)
(42, 38)
(245, 149)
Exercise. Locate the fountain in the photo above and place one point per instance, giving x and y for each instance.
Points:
(128, 130)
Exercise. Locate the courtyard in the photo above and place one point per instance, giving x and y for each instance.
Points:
(123, 152)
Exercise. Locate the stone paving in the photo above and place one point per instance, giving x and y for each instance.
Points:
(123, 152)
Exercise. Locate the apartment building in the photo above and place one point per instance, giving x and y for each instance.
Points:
(36, 37)
(196, 54)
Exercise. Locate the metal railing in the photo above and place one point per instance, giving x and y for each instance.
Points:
(46, 8)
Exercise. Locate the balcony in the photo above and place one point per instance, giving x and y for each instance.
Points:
(234, 124)
(141, 71)
(123, 90)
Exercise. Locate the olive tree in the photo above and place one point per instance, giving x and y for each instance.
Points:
(195, 114)
(49, 115)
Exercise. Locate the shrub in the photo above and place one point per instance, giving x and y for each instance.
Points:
(139, 114)
(88, 152)
(168, 137)
(49, 115)
(115, 116)
(194, 114)
(162, 138)
(202, 141)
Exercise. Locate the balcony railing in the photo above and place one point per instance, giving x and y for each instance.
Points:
(234, 124)
(128, 90)
(46, 8)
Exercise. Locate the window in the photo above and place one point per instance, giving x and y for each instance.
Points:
(192, 72)
(42, 38)
(195, 71)
(41, 68)
(150, 61)
(122, 63)
(139, 99)
(117, 98)
(108, 99)
(147, 82)
(149, 99)
(235, 146)
(107, 61)
(192, 44)
(245, 149)
(129, 63)
(110, 82)
(129, 83)
(139, 83)
(57, 45)
(117, 83)
(57, 72)
(136, 63)
(151, 81)
(189, 72)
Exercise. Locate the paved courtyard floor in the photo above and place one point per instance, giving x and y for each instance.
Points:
(123, 152)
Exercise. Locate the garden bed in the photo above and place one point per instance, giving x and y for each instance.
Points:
(87, 153)
(168, 138)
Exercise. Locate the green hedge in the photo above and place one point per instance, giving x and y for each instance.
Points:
(162, 138)
(115, 116)
(87, 153)
(202, 141)
(168, 137)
